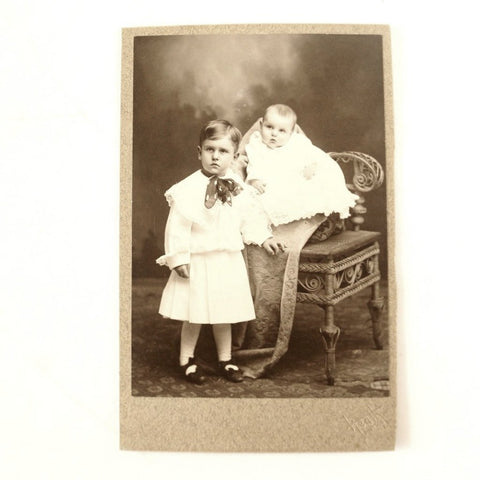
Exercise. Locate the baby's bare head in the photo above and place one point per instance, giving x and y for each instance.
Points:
(277, 125)
(283, 111)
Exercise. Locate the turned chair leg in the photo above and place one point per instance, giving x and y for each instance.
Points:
(375, 305)
(330, 334)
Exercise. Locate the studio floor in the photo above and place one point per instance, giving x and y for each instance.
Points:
(361, 370)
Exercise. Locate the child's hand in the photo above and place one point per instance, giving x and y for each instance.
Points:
(259, 185)
(183, 270)
(273, 247)
(310, 170)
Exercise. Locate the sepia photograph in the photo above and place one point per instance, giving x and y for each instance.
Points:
(258, 174)
(224, 242)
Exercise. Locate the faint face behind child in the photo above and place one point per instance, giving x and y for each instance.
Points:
(276, 129)
(216, 155)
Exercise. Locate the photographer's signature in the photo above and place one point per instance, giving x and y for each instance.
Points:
(369, 422)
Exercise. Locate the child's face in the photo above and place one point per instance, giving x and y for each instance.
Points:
(217, 155)
(276, 129)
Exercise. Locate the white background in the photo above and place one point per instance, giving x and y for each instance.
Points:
(59, 172)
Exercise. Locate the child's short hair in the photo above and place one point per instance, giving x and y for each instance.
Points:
(221, 128)
(283, 110)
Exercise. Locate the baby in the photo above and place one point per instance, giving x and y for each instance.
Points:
(294, 178)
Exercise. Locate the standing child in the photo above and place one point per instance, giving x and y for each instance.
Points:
(294, 178)
(212, 214)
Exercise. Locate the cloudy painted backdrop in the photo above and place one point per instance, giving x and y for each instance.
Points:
(333, 82)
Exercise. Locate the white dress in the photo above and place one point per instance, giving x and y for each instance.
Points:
(210, 241)
(289, 195)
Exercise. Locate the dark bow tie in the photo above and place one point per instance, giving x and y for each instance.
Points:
(222, 189)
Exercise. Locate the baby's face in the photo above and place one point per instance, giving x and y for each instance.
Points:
(216, 155)
(276, 129)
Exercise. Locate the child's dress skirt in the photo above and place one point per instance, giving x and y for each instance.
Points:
(217, 291)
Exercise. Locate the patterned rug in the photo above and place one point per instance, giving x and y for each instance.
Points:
(361, 371)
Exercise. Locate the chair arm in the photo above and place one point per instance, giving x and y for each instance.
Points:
(367, 172)
(368, 175)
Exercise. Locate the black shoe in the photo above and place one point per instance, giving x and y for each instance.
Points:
(230, 371)
(193, 372)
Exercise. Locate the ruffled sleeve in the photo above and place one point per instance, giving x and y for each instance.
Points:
(186, 207)
(177, 239)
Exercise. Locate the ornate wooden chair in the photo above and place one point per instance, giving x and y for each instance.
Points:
(338, 263)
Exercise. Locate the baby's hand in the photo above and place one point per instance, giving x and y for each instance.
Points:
(310, 170)
(183, 270)
(259, 185)
(273, 247)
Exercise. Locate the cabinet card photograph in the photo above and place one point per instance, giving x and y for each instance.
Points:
(257, 275)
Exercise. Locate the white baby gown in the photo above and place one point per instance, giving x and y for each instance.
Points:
(288, 194)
